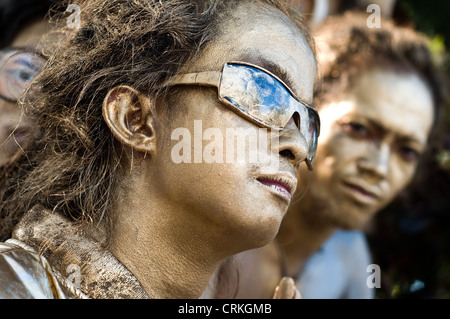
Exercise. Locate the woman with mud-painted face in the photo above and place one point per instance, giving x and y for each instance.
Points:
(110, 193)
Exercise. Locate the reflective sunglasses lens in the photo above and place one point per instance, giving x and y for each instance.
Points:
(257, 94)
(312, 133)
(266, 100)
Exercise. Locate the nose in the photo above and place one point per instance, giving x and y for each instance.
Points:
(292, 144)
(375, 161)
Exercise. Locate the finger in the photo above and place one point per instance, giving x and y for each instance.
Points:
(286, 289)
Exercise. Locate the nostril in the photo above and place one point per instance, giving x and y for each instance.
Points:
(288, 154)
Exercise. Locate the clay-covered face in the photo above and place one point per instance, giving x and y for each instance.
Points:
(370, 144)
(14, 128)
(238, 200)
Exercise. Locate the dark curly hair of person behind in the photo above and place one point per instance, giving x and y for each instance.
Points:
(347, 48)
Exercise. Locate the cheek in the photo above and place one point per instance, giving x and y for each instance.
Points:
(401, 175)
(190, 162)
(337, 152)
(10, 117)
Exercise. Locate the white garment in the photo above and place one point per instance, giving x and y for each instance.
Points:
(338, 269)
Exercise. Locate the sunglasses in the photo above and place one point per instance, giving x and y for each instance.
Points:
(260, 97)
(18, 66)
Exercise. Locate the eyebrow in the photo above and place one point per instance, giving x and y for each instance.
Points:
(378, 126)
(19, 48)
(26, 63)
(274, 68)
(25, 49)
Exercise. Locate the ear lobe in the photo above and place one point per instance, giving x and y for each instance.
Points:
(128, 114)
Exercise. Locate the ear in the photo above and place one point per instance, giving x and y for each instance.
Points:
(129, 116)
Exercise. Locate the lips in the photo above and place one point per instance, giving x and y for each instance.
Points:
(362, 192)
(282, 184)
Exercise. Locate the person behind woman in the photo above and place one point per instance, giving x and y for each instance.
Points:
(109, 202)
(22, 26)
(378, 97)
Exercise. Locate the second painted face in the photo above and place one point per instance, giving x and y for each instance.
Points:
(369, 147)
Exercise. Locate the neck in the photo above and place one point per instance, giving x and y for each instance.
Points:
(301, 235)
(166, 248)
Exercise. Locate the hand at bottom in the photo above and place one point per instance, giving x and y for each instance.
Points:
(286, 289)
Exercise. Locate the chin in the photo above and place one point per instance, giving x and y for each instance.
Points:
(350, 225)
(353, 220)
(260, 227)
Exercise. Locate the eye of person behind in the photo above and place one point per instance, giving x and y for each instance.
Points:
(18, 66)
(361, 131)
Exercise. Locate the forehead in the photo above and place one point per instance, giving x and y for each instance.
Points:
(399, 103)
(32, 34)
(264, 36)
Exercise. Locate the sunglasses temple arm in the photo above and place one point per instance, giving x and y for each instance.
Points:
(209, 78)
(309, 164)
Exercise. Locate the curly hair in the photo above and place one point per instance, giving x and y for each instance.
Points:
(71, 167)
(347, 48)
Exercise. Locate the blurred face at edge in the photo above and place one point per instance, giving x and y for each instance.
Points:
(19, 64)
